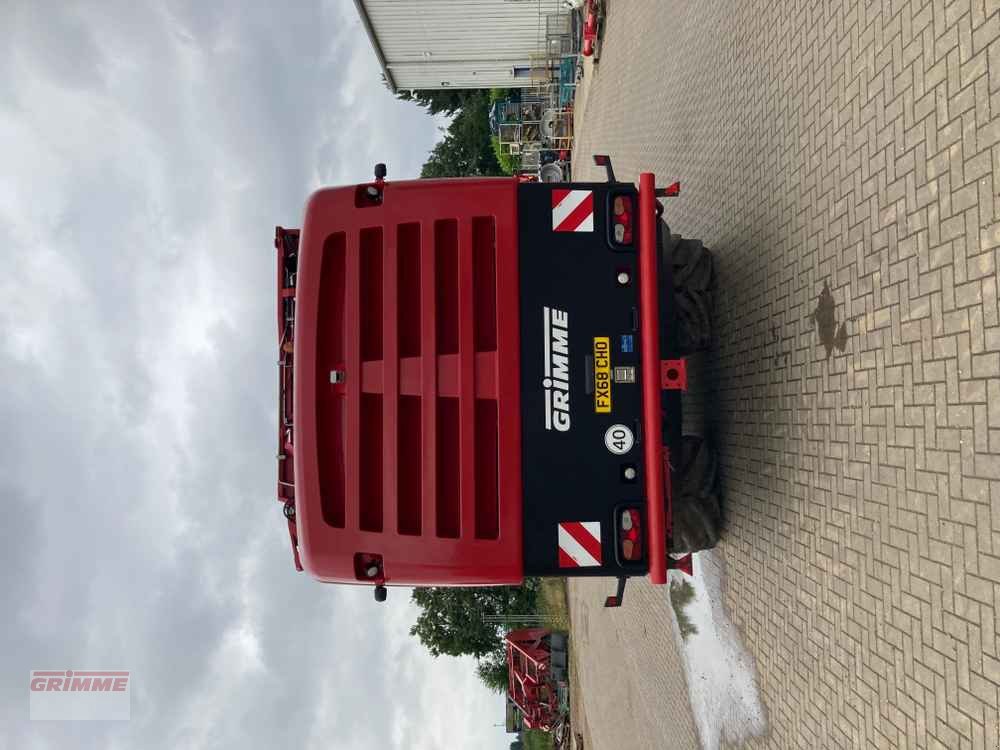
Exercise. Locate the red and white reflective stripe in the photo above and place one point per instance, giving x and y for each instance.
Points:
(572, 210)
(580, 544)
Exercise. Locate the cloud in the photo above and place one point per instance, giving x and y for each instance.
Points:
(150, 148)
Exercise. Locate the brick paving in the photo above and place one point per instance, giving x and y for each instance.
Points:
(628, 691)
(841, 160)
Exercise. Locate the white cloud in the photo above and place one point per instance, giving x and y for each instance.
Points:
(149, 151)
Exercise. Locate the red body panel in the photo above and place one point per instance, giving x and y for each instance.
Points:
(412, 300)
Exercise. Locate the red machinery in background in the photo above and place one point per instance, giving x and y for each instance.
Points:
(537, 685)
(593, 28)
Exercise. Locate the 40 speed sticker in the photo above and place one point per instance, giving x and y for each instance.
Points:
(619, 439)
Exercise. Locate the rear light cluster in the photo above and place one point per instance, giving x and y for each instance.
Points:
(630, 535)
(622, 214)
(368, 566)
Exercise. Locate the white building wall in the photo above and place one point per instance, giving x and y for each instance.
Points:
(458, 43)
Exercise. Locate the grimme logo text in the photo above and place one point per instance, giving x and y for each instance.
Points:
(555, 324)
(69, 681)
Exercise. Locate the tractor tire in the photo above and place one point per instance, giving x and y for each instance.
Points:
(558, 653)
(550, 173)
(697, 513)
(694, 291)
(558, 641)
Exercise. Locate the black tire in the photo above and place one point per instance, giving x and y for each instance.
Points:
(694, 291)
(558, 659)
(558, 642)
(697, 513)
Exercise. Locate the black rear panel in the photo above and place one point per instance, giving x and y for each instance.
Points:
(570, 294)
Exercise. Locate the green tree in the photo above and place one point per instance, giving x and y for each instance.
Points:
(466, 149)
(470, 621)
(497, 95)
(440, 101)
(492, 670)
(508, 164)
(453, 621)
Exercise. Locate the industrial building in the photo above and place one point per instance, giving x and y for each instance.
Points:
(436, 44)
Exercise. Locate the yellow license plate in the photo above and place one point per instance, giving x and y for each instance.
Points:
(602, 374)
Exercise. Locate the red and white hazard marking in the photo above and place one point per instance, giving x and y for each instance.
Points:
(579, 544)
(572, 210)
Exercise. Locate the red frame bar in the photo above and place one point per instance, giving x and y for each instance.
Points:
(649, 346)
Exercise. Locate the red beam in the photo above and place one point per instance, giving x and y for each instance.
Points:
(649, 345)
(411, 381)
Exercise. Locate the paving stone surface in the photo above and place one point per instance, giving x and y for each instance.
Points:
(841, 159)
(630, 691)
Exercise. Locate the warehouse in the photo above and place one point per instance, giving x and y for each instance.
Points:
(434, 44)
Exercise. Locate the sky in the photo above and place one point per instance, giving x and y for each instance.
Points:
(148, 150)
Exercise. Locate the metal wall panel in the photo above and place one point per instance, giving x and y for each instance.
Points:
(458, 43)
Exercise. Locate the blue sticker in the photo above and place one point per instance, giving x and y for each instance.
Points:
(627, 343)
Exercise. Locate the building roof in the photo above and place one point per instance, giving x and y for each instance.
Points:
(370, 31)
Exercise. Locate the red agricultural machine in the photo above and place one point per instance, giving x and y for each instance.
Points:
(480, 381)
(593, 28)
(538, 681)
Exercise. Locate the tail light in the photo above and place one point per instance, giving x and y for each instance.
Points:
(622, 216)
(630, 535)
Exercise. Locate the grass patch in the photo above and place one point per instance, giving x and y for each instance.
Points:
(552, 603)
(536, 739)
(681, 594)
(508, 163)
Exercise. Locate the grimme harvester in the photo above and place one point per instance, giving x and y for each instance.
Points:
(480, 381)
